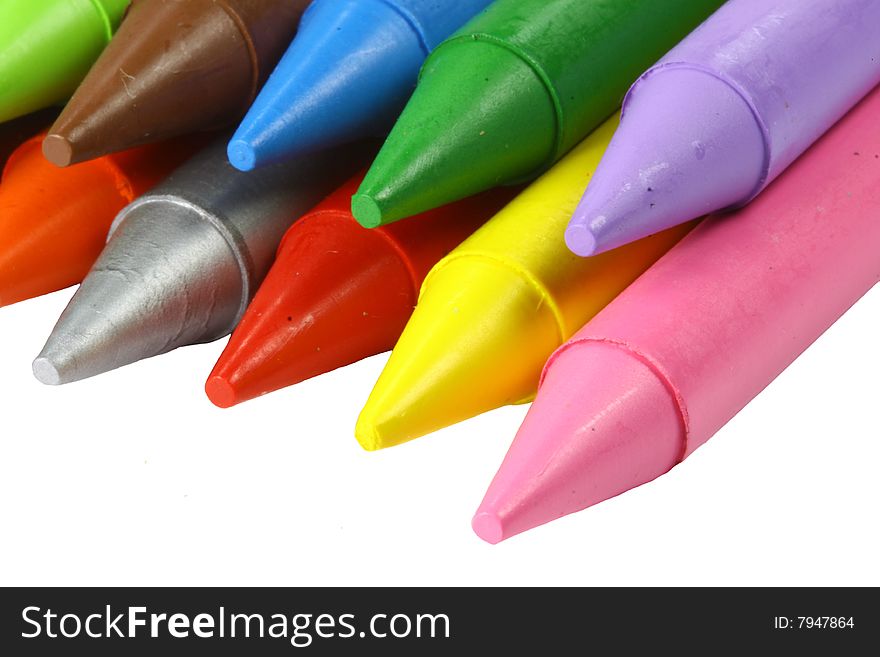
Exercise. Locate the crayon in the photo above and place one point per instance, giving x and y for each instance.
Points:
(511, 92)
(54, 222)
(697, 336)
(183, 261)
(172, 69)
(337, 293)
(725, 112)
(346, 76)
(14, 133)
(491, 312)
(47, 47)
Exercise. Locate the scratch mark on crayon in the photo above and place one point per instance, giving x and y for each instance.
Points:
(126, 78)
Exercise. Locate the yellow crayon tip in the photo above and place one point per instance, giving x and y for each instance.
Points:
(477, 341)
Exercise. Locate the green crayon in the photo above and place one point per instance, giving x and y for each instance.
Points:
(511, 92)
(47, 47)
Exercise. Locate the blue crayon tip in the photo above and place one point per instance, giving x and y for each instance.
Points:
(242, 155)
(345, 77)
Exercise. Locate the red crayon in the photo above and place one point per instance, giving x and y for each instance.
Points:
(338, 293)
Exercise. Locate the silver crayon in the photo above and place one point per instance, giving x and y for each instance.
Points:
(183, 261)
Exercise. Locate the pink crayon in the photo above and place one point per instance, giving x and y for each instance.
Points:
(691, 342)
(725, 112)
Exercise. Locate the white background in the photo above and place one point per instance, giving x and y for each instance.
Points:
(134, 478)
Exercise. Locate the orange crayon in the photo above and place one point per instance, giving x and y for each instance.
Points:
(54, 222)
(14, 133)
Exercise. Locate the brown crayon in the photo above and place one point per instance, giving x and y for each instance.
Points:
(174, 67)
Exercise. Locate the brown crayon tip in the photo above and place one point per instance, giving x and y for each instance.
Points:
(58, 150)
(173, 68)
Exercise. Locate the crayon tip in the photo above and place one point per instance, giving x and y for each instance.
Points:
(367, 211)
(46, 371)
(173, 68)
(58, 150)
(335, 294)
(473, 314)
(670, 162)
(603, 422)
(489, 527)
(480, 117)
(242, 155)
(221, 392)
(580, 240)
(345, 77)
(156, 286)
(367, 433)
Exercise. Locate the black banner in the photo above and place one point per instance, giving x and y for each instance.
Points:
(433, 621)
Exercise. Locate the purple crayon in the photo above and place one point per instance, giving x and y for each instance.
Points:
(725, 112)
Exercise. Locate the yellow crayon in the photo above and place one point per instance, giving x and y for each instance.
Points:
(491, 312)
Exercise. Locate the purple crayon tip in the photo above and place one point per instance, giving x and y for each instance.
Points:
(663, 167)
(725, 112)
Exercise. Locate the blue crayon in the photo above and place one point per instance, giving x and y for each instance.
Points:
(347, 75)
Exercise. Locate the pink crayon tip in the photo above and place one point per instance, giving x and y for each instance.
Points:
(593, 433)
(489, 526)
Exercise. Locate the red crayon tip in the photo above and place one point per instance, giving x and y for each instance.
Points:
(337, 293)
(332, 295)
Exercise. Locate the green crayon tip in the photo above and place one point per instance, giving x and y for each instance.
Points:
(421, 165)
(47, 47)
(511, 92)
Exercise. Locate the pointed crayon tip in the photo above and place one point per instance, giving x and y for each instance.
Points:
(368, 434)
(345, 77)
(480, 117)
(336, 293)
(58, 150)
(665, 167)
(603, 422)
(473, 314)
(580, 240)
(489, 527)
(47, 372)
(173, 68)
(221, 392)
(135, 303)
(242, 155)
(367, 211)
